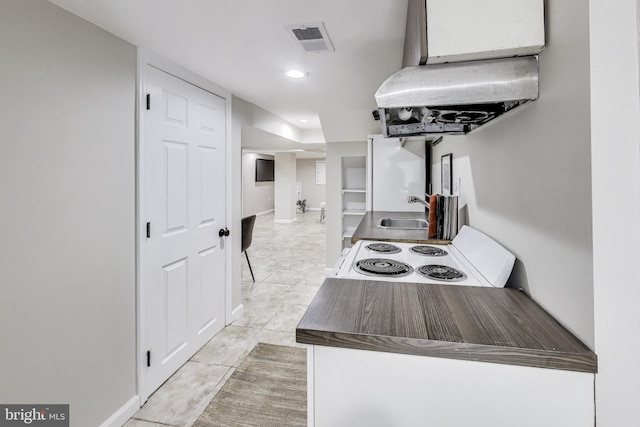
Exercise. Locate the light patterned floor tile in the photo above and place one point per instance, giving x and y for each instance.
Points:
(280, 338)
(184, 396)
(229, 346)
(287, 318)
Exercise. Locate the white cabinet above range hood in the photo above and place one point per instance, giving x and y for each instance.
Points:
(441, 31)
(466, 63)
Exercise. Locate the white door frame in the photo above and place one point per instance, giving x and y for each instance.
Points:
(147, 58)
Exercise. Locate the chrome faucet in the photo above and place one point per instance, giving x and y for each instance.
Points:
(414, 199)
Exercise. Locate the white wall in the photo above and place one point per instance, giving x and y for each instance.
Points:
(257, 197)
(67, 169)
(527, 176)
(251, 115)
(241, 112)
(306, 176)
(615, 138)
(285, 188)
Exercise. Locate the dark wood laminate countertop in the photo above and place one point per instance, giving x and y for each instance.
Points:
(458, 322)
(368, 229)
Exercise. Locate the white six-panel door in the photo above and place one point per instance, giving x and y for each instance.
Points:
(184, 266)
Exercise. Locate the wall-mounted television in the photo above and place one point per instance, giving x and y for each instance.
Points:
(264, 170)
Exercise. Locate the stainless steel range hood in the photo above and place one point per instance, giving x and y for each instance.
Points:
(455, 98)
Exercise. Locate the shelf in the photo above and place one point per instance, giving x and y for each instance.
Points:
(354, 195)
(359, 212)
(348, 231)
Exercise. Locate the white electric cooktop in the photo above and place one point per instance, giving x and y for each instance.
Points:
(472, 259)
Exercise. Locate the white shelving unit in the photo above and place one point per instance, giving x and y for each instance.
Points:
(354, 195)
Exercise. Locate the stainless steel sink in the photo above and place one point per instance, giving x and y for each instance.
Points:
(404, 223)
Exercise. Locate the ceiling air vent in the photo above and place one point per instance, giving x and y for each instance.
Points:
(311, 37)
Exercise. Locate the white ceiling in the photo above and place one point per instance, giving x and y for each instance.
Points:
(242, 46)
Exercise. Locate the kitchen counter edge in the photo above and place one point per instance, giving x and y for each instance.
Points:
(493, 325)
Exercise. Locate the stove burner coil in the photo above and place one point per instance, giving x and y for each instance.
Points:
(386, 248)
(428, 250)
(441, 272)
(383, 267)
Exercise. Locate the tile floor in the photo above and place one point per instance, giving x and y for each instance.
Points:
(288, 262)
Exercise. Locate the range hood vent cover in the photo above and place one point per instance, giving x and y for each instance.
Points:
(455, 98)
(311, 37)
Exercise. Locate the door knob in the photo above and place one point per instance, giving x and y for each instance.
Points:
(223, 232)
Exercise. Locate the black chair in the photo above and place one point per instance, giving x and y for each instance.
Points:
(247, 234)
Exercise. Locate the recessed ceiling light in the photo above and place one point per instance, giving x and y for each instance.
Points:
(303, 121)
(296, 74)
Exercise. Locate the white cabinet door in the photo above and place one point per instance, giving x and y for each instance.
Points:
(462, 30)
(348, 387)
(398, 171)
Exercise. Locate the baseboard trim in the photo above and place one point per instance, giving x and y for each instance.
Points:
(265, 212)
(236, 313)
(122, 415)
(328, 271)
(285, 221)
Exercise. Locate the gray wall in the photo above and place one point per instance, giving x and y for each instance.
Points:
(68, 212)
(527, 176)
(306, 176)
(257, 197)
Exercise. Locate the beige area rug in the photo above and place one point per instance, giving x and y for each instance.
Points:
(269, 388)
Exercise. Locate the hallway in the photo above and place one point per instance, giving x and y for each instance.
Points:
(288, 262)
